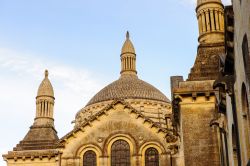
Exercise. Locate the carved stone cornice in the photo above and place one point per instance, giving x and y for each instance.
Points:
(32, 154)
(105, 111)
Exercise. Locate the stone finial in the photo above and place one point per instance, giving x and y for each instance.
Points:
(46, 73)
(127, 35)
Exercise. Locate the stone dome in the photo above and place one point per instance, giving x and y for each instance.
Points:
(45, 88)
(128, 87)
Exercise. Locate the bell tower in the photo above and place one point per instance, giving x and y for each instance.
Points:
(128, 58)
(45, 102)
(194, 100)
(42, 134)
(210, 16)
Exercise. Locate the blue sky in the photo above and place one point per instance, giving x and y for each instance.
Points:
(79, 42)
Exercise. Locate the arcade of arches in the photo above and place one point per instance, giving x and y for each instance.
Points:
(120, 155)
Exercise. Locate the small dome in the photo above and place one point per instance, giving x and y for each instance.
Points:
(128, 87)
(45, 88)
(199, 2)
(127, 46)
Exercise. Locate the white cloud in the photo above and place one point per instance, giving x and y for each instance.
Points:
(72, 78)
(21, 74)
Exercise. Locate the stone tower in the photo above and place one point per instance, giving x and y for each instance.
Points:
(42, 134)
(194, 100)
(45, 103)
(128, 58)
(210, 16)
(39, 145)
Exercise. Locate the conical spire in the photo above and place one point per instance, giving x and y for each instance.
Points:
(128, 57)
(45, 102)
(45, 88)
(127, 35)
(46, 73)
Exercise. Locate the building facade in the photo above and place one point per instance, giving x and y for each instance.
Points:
(194, 100)
(127, 123)
(233, 84)
(217, 103)
(130, 122)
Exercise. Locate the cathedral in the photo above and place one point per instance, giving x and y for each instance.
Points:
(131, 123)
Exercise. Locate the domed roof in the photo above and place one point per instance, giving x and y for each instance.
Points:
(128, 87)
(199, 2)
(128, 46)
(45, 88)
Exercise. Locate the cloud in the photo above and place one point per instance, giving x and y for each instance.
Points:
(70, 77)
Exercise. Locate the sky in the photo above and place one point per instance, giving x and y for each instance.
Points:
(79, 42)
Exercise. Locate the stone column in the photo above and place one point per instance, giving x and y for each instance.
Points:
(220, 20)
(200, 24)
(203, 22)
(217, 20)
(207, 21)
(212, 19)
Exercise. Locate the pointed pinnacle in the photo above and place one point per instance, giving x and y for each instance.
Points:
(46, 73)
(127, 35)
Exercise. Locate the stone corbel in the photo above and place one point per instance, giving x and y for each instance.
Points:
(225, 82)
(220, 123)
(170, 138)
(207, 94)
(173, 149)
(194, 95)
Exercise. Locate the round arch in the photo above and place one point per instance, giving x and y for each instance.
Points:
(124, 137)
(89, 147)
(246, 122)
(148, 145)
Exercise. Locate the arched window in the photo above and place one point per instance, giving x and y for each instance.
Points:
(151, 157)
(235, 155)
(246, 59)
(245, 111)
(120, 153)
(89, 158)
